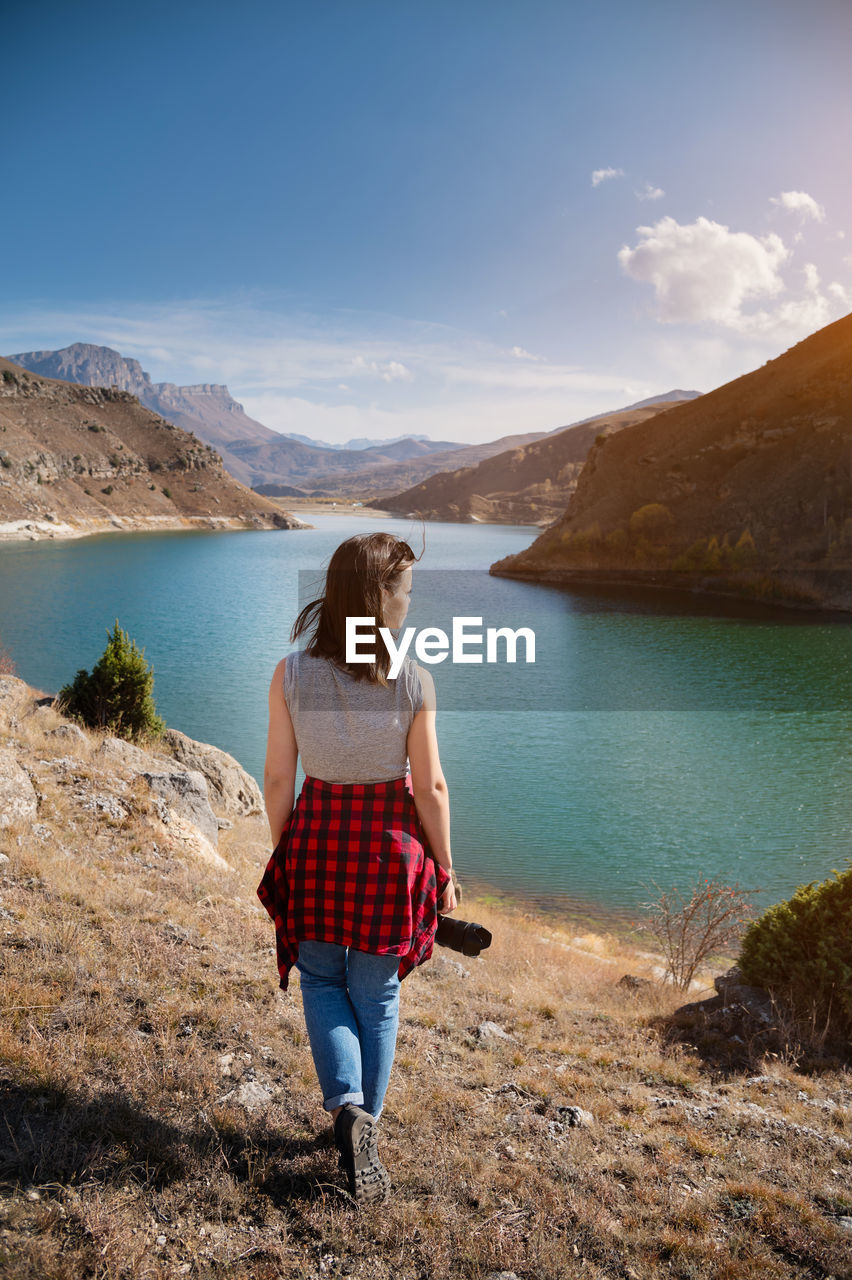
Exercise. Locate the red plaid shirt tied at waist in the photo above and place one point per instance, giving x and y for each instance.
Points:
(354, 866)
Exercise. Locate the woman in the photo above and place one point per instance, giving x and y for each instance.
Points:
(362, 863)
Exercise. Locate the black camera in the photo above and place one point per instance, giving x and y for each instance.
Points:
(462, 936)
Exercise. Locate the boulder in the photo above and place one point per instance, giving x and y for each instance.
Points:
(735, 992)
(186, 794)
(118, 753)
(230, 786)
(15, 698)
(72, 732)
(18, 799)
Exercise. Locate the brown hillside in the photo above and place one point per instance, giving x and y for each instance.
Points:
(77, 460)
(528, 484)
(369, 474)
(746, 490)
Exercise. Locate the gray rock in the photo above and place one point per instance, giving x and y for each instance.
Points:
(845, 1224)
(186, 793)
(124, 755)
(251, 1095)
(104, 802)
(490, 1031)
(230, 785)
(17, 797)
(576, 1117)
(631, 983)
(15, 696)
(753, 1000)
(71, 732)
(733, 978)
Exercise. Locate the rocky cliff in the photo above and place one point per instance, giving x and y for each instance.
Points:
(252, 453)
(76, 460)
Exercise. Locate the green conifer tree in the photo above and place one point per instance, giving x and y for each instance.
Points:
(117, 695)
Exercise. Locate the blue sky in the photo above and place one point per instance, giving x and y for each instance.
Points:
(462, 219)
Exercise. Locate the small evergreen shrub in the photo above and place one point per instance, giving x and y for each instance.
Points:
(167, 493)
(117, 694)
(801, 951)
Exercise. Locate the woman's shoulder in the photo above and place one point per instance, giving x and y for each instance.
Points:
(421, 684)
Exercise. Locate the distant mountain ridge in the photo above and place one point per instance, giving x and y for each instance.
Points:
(530, 483)
(253, 453)
(367, 442)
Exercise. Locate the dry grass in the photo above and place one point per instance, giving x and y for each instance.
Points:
(139, 990)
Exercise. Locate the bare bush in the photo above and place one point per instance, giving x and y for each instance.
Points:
(697, 923)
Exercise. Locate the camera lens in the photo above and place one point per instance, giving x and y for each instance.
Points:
(461, 935)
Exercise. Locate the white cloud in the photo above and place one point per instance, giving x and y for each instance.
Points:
(393, 371)
(650, 192)
(604, 175)
(705, 274)
(520, 354)
(702, 270)
(839, 292)
(801, 203)
(334, 377)
(811, 277)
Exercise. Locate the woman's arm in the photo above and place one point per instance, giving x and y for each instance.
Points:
(279, 773)
(428, 784)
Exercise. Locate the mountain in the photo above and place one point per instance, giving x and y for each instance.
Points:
(252, 453)
(77, 459)
(529, 484)
(388, 478)
(747, 490)
(208, 409)
(364, 442)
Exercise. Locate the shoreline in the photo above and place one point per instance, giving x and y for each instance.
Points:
(42, 530)
(312, 507)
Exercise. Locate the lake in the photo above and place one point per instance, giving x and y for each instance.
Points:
(656, 738)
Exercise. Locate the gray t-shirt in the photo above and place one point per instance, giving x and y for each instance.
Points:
(350, 730)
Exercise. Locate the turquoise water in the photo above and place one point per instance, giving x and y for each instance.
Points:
(656, 737)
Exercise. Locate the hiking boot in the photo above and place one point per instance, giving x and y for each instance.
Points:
(355, 1136)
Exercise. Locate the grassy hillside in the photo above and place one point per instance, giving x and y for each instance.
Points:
(161, 1115)
(531, 483)
(747, 489)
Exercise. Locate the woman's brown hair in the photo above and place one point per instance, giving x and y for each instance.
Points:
(358, 570)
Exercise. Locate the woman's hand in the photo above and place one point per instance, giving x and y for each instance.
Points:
(447, 901)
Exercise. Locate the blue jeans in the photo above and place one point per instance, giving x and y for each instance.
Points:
(351, 1003)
